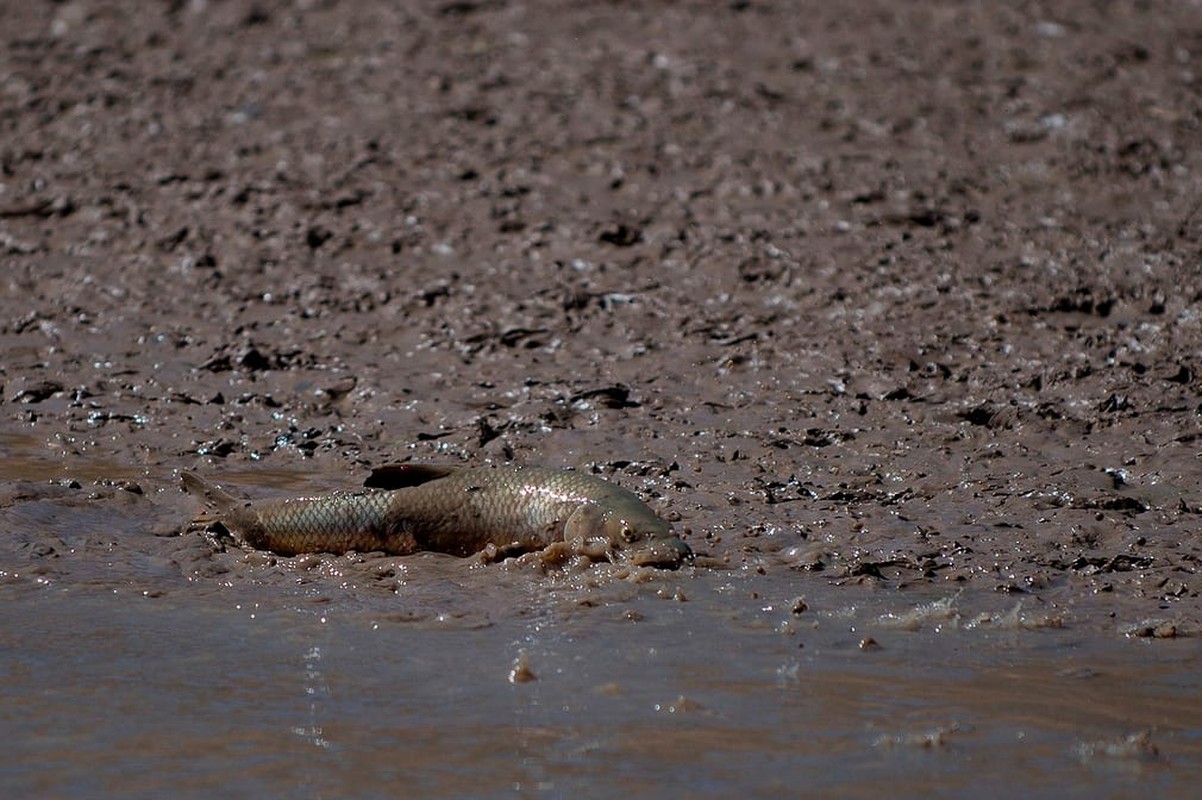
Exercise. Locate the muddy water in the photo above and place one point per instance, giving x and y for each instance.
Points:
(125, 696)
(328, 676)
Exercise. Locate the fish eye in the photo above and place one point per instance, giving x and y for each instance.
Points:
(629, 534)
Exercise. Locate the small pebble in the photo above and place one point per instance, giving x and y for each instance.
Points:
(521, 672)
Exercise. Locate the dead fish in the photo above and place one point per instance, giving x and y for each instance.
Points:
(458, 510)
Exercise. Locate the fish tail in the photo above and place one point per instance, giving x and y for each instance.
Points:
(214, 496)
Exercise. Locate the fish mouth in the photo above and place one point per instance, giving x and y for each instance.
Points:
(670, 554)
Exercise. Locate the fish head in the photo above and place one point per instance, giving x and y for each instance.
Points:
(634, 531)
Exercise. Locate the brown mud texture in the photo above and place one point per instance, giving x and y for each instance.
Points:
(891, 294)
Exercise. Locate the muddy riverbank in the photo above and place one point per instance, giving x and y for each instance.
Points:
(893, 311)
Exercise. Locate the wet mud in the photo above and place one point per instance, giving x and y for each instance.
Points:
(892, 310)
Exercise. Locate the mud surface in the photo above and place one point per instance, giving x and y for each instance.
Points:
(895, 308)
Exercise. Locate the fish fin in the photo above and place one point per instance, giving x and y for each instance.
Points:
(400, 476)
(214, 496)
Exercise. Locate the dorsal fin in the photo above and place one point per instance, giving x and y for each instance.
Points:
(400, 476)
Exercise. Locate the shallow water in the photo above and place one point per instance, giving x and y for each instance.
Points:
(727, 692)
